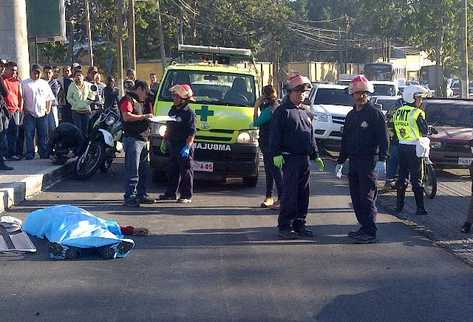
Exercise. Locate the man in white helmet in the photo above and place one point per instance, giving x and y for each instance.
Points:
(365, 144)
(410, 126)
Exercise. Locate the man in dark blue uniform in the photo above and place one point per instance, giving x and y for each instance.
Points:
(364, 142)
(292, 143)
(179, 139)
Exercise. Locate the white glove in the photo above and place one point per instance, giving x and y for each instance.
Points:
(338, 170)
(380, 168)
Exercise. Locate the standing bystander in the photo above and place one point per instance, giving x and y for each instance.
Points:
(53, 119)
(79, 96)
(4, 118)
(14, 101)
(38, 99)
(136, 128)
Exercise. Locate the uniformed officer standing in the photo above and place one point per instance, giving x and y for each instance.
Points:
(364, 143)
(292, 143)
(410, 126)
(179, 139)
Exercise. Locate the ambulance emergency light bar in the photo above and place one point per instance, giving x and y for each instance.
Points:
(214, 55)
(215, 50)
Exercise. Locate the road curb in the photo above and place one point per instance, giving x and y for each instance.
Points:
(13, 193)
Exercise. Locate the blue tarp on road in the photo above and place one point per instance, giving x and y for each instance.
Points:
(72, 226)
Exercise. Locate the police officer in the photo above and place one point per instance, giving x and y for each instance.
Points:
(292, 143)
(364, 143)
(179, 139)
(410, 126)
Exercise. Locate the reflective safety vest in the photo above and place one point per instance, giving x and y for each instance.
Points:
(405, 124)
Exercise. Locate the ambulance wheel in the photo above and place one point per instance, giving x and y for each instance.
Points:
(250, 181)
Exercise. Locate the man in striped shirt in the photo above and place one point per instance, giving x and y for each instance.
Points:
(53, 119)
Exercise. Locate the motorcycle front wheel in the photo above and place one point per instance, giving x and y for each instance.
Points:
(89, 162)
(429, 181)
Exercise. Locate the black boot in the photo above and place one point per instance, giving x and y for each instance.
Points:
(3, 166)
(466, 227)
(401, 195)
(419, 196)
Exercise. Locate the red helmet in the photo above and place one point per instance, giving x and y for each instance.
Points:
(184, 91)
(361, 84)
(298, 80)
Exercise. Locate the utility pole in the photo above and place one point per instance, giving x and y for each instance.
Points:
(465, 78)
(131, 34)
(119, 23)
(89, 32)
(161, 35)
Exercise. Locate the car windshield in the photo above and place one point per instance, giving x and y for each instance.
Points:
(212, 87)
(384, 90)
(333, 96)
(449, 115)
(388, 105)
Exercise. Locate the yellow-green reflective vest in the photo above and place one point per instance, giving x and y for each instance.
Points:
(405, 124)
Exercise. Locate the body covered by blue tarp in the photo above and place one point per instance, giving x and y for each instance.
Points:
(72, 226)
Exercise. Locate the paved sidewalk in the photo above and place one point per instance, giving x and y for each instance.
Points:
(28, 178)
(447, 212)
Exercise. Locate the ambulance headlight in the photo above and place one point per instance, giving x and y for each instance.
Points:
(321, 117)
(248, 137)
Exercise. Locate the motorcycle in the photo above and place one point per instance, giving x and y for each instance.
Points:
(104, 136)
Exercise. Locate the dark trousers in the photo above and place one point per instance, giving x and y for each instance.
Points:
(273, 174)
(393, 162)
(13, 138)
(36, 125)
(180, 173)
(295, 194)
(363, 192)
(81, 120)
(65, 113)
(136, 168)
(410, 166)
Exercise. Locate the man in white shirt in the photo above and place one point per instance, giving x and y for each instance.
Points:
(38, 100)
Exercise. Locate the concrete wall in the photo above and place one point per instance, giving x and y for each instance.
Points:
(14, 35)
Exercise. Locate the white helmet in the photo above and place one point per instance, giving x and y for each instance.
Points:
(412, 91)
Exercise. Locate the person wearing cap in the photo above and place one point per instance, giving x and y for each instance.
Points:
(410, 126)
(292, 143)
(178, 141)
(136, 127)
(365, 144)
(14, 101)
(38, 100)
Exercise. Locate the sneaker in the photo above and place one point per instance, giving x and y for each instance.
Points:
(167, 197)
(14, 158)
(304, 232)
(364, 238)
(184, 200)
(147, 200)
(120, 249)
(466, 228)
(267, 203)
(276, 205)
(132, 203)
(421, 212)
(287, 234)
(58, 251)
(353, 234)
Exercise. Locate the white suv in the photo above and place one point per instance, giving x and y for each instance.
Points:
(330, 104)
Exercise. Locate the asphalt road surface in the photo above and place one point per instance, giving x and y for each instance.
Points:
(219, 259)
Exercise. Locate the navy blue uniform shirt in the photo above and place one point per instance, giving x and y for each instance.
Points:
(178, 131)
(364, 134)
(292, 131)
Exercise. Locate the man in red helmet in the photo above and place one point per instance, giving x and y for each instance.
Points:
(364, 143)
(292, 144)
